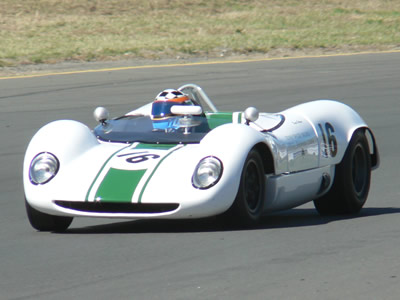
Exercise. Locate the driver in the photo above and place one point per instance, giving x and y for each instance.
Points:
(161, 114)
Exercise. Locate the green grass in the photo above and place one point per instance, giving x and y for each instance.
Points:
(50, 31)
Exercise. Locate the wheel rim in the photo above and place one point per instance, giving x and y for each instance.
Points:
(359, 170)
(252, 187)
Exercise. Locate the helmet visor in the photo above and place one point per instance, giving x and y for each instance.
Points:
(161, 109)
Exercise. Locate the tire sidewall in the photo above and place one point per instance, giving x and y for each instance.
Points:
(343, 197)
(251, 213)
(45, 222)
(347, 170)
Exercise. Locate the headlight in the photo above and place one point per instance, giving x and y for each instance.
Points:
(44, 167)
(207, 172)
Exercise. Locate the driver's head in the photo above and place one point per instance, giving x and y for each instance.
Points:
(161, 107)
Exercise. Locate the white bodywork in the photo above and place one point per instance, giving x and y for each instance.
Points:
(300, 145)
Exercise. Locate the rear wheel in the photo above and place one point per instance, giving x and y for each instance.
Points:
(352, 180)
(249, 203)
(45, 222)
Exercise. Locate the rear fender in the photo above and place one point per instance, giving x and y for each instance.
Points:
(334, 124)
(373, 147)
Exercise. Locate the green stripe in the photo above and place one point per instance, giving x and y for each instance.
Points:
(216, 119)
(102, 168)
(240, 118)
(119, 185)
(152, 173)
(155, 146)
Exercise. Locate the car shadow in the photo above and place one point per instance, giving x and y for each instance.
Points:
(310, 217)
(300, 217)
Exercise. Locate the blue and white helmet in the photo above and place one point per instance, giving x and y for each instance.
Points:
(170, 94)
(161, 107)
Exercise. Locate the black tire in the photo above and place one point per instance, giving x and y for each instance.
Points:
(45, 222)
(352, 180)
(249, 203)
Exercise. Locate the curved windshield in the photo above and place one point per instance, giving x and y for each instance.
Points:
(129, 129)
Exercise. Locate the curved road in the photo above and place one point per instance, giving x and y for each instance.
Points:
(295, 254)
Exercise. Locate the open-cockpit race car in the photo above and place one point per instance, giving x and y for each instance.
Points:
(178, 157)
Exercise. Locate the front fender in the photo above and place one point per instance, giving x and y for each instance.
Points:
(67, 140)
(232, 143)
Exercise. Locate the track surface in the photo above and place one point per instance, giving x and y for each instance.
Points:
(292, 255)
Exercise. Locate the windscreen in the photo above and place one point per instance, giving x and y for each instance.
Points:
(129, 129)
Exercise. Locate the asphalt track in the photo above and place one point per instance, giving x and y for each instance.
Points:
(295, 254)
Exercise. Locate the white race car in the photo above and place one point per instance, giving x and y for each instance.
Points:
(196, 162)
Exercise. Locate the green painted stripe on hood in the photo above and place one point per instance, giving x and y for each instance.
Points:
(155, 146)
(119, 185)
(239, 118)
(216, 119)
(98, 174)
(152, 173)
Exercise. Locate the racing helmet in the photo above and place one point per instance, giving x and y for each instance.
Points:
(161, 107)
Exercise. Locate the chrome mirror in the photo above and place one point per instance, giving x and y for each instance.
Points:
(251, 114)
(101, 114)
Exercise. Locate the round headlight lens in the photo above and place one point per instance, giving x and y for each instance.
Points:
(207, 172)
(44, 167)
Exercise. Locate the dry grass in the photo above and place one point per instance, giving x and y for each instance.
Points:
(49, 31)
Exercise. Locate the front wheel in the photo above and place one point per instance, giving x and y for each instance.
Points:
(45, 222)
(352, 180)
(249, 203)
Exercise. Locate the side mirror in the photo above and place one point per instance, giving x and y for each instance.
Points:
(101, 114)
(251, 114)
